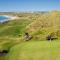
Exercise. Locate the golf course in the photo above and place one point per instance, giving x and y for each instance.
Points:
(38, 25)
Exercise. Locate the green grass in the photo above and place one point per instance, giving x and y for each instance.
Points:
(14, 28)
(35, 50)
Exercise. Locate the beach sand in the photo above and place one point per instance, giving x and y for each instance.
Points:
(9, 17)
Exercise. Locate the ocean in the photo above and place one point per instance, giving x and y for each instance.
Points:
(3, 18)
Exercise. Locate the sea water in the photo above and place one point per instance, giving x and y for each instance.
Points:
(4, 18)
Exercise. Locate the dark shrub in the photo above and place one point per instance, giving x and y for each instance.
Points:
(27, 37)
(51, 37)
(3, 52)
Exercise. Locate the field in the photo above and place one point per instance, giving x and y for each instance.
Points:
(39, 26)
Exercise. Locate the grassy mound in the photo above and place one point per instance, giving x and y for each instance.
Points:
(35, 50)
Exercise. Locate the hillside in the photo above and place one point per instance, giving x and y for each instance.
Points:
(39, 25)
(33, 23)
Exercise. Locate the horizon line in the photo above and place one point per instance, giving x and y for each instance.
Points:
(31, 11)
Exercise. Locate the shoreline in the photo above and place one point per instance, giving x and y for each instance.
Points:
(8, 18)
(11, 17)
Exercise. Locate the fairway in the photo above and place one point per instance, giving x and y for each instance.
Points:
(35, 50)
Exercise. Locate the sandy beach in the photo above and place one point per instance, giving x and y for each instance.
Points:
(8, 18)
(11, 17)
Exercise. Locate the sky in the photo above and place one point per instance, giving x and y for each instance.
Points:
(28, 5)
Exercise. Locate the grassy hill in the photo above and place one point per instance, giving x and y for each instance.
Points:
(35, 50)
(38, 25)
